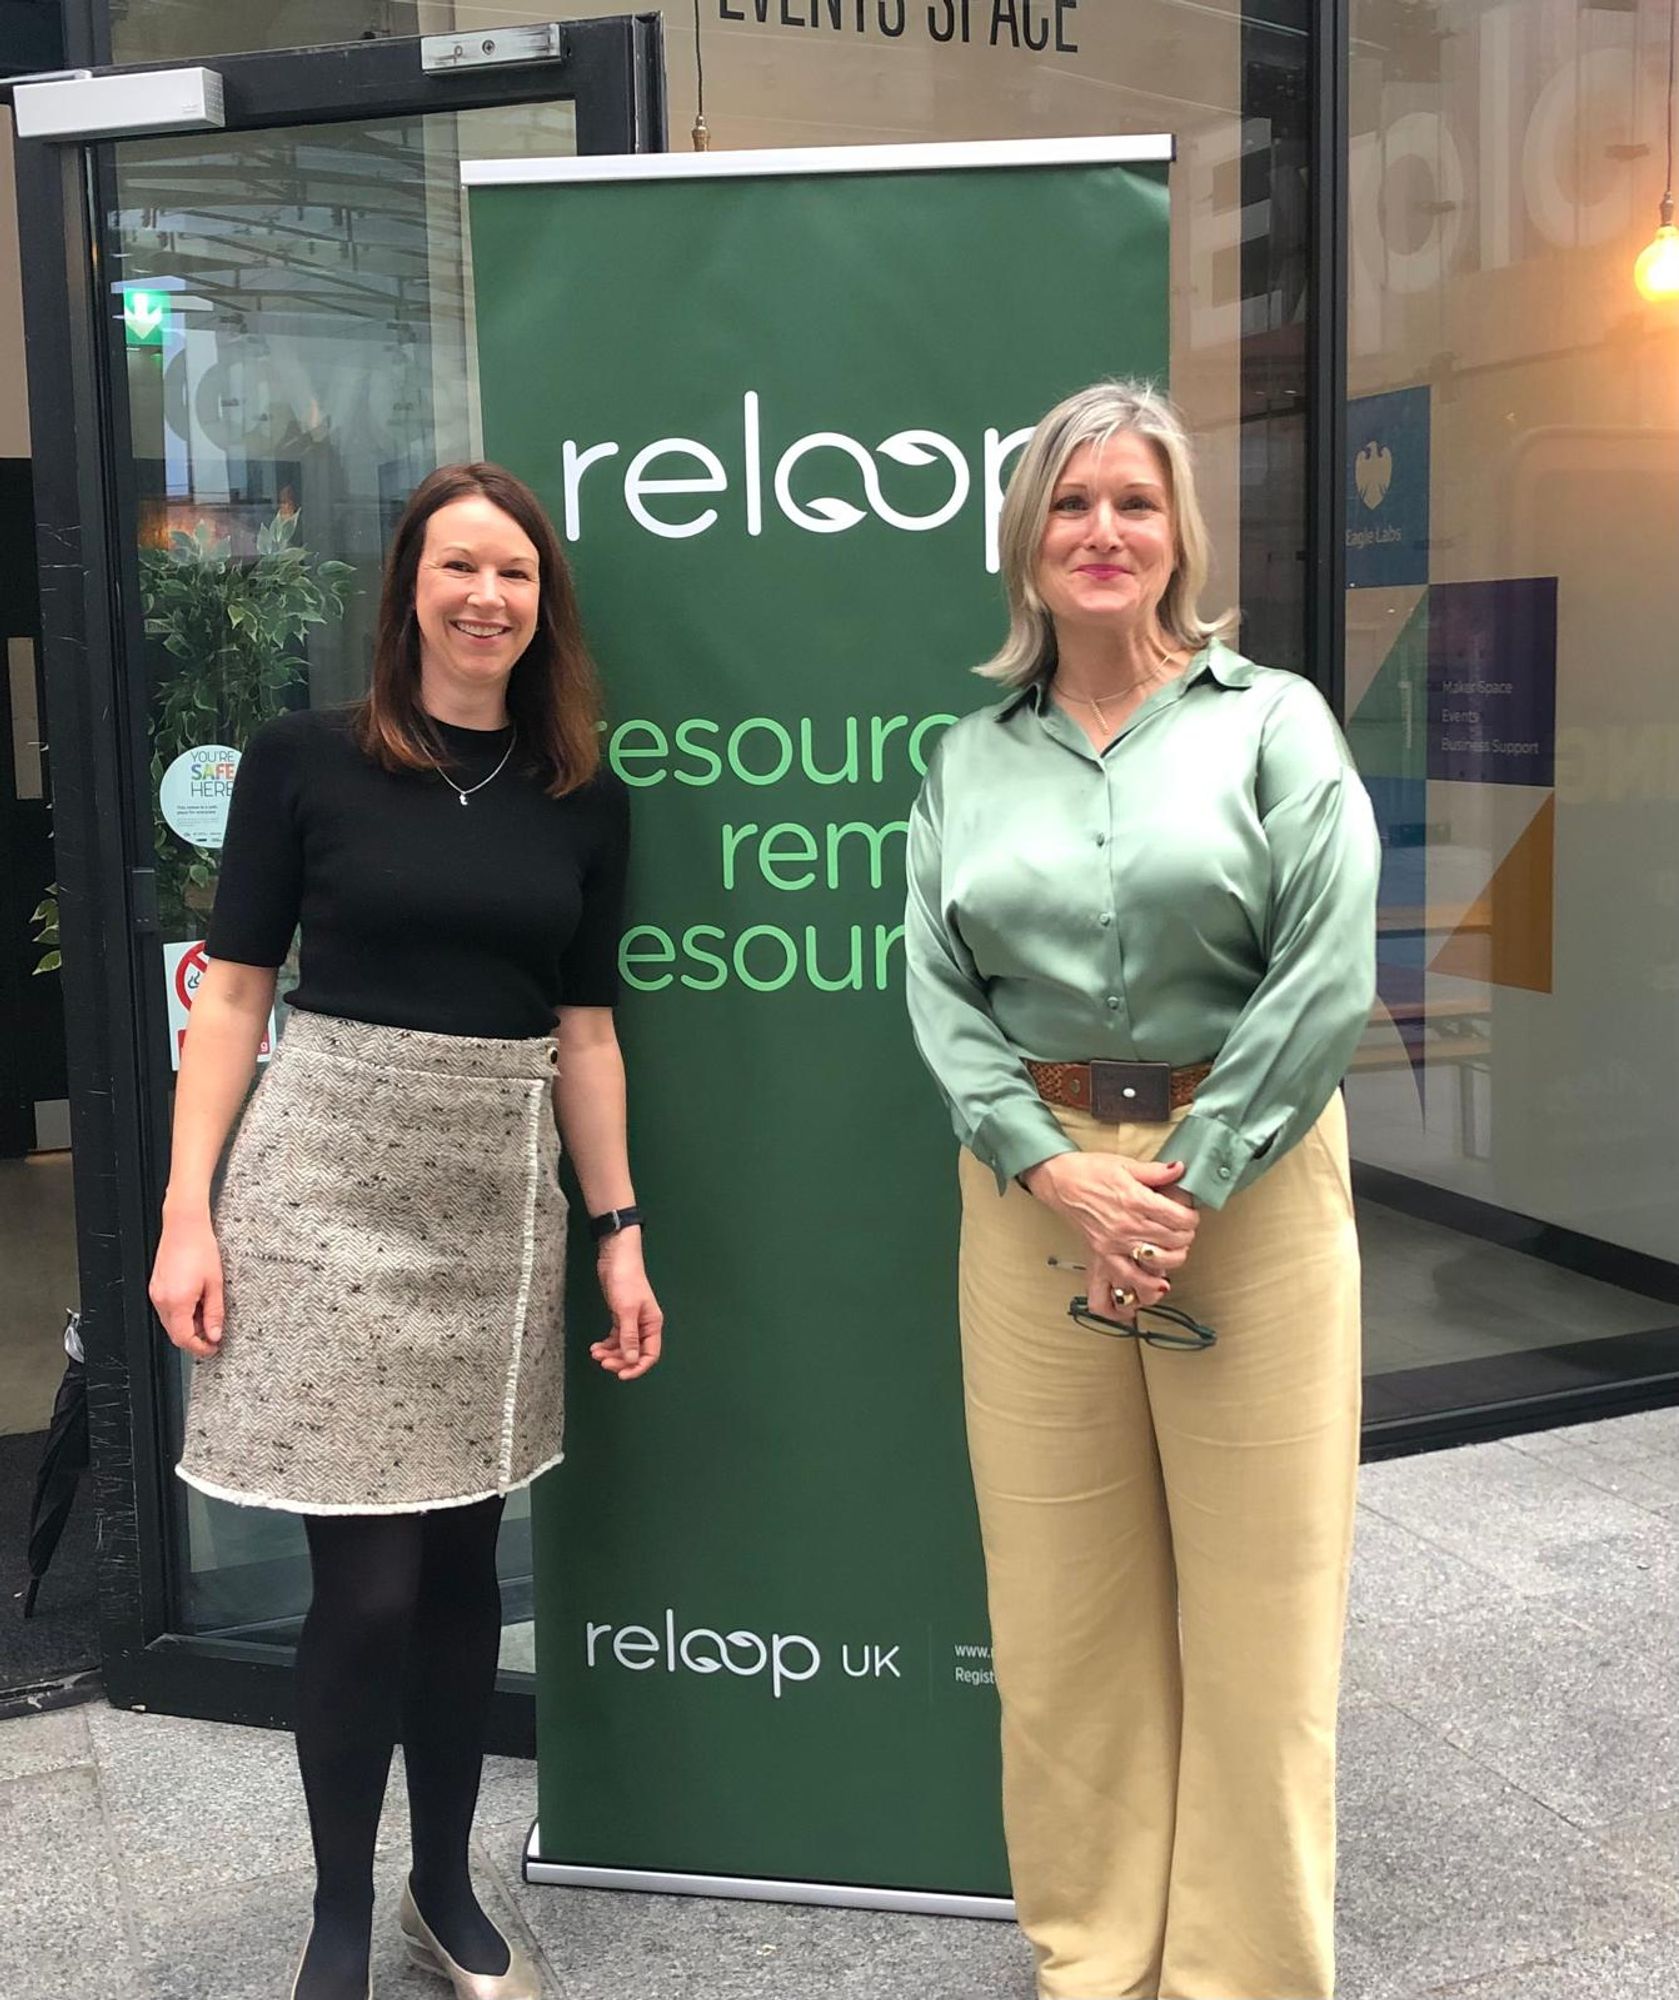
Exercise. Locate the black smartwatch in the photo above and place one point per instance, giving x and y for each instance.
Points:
(612, 1221)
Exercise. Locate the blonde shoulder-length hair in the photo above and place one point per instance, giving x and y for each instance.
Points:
(1092, 417)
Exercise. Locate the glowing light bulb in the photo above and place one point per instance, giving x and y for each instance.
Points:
(1658, 269)
(1656, 274)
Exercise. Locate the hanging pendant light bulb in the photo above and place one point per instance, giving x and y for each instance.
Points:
(702, 131)
(1656, 274)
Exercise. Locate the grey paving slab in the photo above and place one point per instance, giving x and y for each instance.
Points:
(199, 1804)
(62, 1931)
(1646, 1969)
(1626, 1437)
(1648, 1842)
(1588, 1729)
(508, 1791)
(52, 1742)
(1449, 1873)
(1622, 1582)
(245, 1943)
(1505, 1512)
(500, 1847)
(604, 1945)
(1399, 1576)
(1647, 1479)
(1545, 1444)
(205, 1804)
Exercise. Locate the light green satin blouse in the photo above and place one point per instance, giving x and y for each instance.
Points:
(1203, 890)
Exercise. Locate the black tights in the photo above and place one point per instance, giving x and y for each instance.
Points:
(402, 1635)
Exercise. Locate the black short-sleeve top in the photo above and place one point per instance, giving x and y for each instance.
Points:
(417, 911)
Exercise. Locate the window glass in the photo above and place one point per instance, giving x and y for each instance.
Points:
(1512, 499)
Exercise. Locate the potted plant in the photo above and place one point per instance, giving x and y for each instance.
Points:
(45, 920)
(231, 631)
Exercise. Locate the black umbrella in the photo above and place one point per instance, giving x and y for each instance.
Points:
(63, 1461)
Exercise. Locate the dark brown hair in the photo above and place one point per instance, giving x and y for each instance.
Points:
(553, 694)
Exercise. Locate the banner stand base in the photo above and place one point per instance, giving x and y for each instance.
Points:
(758, 1889)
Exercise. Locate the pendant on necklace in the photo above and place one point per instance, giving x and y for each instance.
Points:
(463, 798)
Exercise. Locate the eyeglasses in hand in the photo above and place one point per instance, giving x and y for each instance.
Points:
(1157, 1326)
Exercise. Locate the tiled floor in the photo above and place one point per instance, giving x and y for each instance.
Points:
(1510, 1795)
(1432, 1296)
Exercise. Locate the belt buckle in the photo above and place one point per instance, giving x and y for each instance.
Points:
(1123, 1093)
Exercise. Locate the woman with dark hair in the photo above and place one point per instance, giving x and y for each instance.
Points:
(377, 1299)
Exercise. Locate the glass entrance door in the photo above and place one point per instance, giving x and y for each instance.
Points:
(269, 344)
(298, 354)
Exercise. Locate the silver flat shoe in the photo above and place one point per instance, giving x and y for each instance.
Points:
(297, 1976)
(521, 1980)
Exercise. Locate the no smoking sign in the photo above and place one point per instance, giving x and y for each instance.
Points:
(184, 966)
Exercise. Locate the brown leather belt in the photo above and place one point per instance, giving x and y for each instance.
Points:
(1118, 1093)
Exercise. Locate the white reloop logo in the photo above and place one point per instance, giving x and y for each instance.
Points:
(787, 1658)
(829, 516)
(673, 468)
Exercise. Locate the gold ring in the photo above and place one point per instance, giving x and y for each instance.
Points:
(1144, 1253)
(1125, 1297)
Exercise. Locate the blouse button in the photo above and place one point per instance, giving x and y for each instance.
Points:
(1101, 840)
(1113, 1003)
(1224, 1173)
(1106, 919)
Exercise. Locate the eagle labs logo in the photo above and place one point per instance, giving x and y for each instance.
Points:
(934, 481)
(785, 1657)
(1373, 474)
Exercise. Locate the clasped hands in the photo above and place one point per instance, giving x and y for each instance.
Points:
(1136, 1222)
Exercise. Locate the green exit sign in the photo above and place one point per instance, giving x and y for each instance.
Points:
(143, 316)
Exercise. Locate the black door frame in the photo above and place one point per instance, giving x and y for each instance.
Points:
(613, 72)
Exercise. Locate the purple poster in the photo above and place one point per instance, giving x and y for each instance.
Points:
(1492, 681)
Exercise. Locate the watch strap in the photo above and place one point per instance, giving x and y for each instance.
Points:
(614, 1220)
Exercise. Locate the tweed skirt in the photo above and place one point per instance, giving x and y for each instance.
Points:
(393, 1250)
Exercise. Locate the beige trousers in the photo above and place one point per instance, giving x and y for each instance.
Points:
(1167, 1538)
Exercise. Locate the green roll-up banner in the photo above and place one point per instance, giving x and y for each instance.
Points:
(770, 401)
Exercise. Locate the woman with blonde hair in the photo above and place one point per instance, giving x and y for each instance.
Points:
(1140, 949)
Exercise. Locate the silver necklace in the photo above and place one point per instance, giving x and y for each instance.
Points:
(464, 793)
